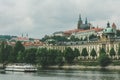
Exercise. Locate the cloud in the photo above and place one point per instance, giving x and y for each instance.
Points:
(41, 17)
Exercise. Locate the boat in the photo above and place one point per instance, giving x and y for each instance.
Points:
(21, 68)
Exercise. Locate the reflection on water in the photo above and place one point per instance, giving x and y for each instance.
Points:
(62, 75)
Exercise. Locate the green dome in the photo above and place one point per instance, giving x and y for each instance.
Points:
(108, 30)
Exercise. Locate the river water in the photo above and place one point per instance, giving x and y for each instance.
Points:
(62, 75)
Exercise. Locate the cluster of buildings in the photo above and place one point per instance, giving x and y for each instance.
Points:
(25, 40)
(106, 38)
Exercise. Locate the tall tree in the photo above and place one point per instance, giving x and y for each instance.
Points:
(112, 52)
(104, 60)
(84, 52)
(119, 50)
(69, 55)
(2, 52)
(93, 53)
(18, 48)
(76, 52)
(30, 56)
(102, 50)
(42, 57)
(5, 51)
(59, 58)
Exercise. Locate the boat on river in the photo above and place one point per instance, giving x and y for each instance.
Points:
(21, 68)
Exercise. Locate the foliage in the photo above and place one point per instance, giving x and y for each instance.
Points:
(112, 52)
(76, 52)
(118, 32)
(102, 50)
(42, 57)
(84, 52)
(119, 50)
(30, 56)
(72, 38)
(69, 55)
(49, 57)
(18, 48)
(104, 60)
(59, 58)
(92, 36)
(93, 53)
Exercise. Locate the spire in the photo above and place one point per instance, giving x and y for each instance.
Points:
(114, 25)
(86, 21)
(108, 24)
(26, 35)
(22, 35)
(79, 22)
(80, 17)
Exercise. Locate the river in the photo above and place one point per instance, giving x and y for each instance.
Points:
(62, 75)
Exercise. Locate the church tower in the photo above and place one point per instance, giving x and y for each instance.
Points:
(86, 22)
(79, 22)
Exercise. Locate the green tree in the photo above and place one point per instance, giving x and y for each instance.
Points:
(72, 38)
(52, 54)
(42, 57)
(76, 52)
(102, 50)
(119, 50)
(104, 60)
(69, 55)
(5, 51)
(112, 52)
(93, 53)
(2, 52)
(18, 48)
(59, 58)
(21, 57)
(84, 52)
(8, 51)
(30, 56)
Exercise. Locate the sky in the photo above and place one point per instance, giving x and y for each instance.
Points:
(38, 18)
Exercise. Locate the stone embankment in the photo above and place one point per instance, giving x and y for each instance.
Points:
(84, 67)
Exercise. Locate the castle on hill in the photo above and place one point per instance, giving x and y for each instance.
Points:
(106, 38)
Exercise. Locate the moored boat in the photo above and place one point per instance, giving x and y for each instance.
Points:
(21, 68)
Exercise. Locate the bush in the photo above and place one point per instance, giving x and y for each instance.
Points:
(104, 60)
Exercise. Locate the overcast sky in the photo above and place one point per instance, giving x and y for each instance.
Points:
(43, 17)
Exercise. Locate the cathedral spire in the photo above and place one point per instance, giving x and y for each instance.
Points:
(80, 17)
(79, 22)
(108, 24)
(86, 21)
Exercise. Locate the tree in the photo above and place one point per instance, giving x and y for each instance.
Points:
(59, 58)
(104, 60)
(84, 52)
(2, 52)
(112, 52)
(76, 52)
(5, 51)
(69, 55)
(93, 53)
(102, 50)
(42, 56)
(119, 50)
(21, 57)
(8, 51)
(52, 54)
(18, 48)
(72, 38)
(30, 56)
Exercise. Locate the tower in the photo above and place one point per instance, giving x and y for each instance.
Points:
(79, 22)
(108, 24)
(86, 21)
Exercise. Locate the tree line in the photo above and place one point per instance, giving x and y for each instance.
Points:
(44, 56)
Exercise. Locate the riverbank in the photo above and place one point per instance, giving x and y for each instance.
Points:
(111, 67)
